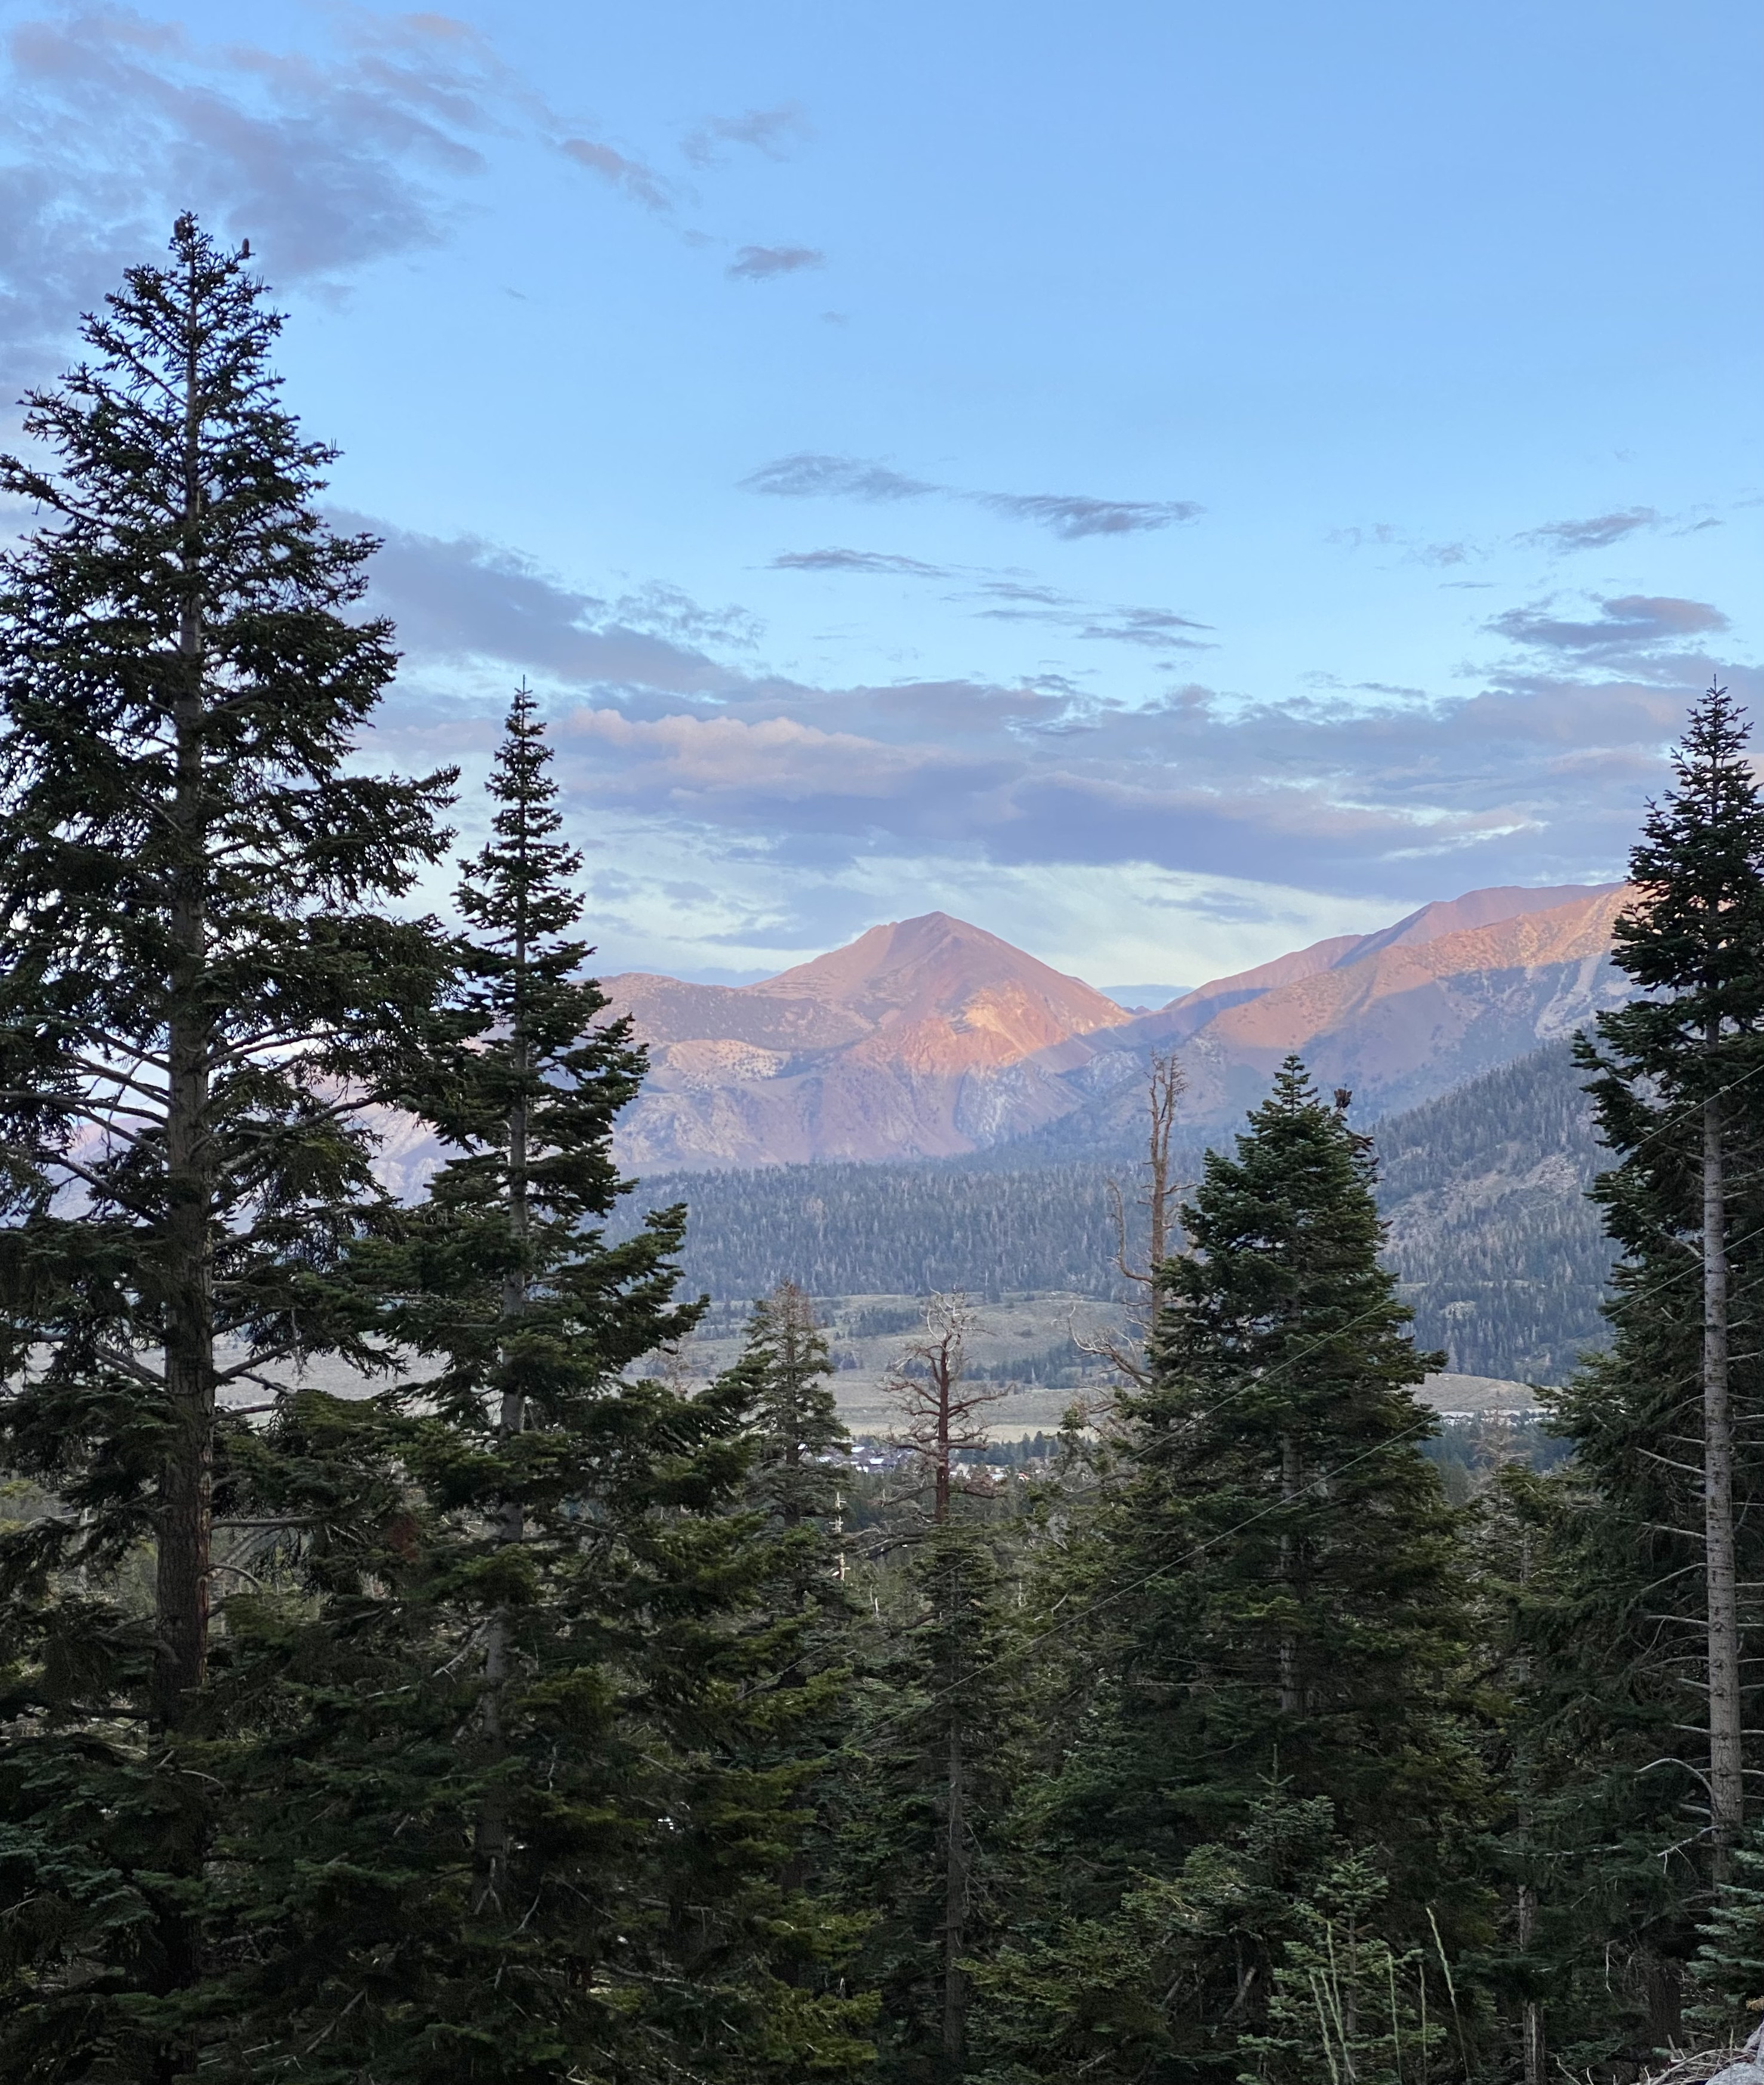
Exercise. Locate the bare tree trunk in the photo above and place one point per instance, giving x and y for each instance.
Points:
(1165, 1090)
(1726, 1802)
(1292, 1700)
(1531, 2030)
(955, 1890)
(1164, 1085)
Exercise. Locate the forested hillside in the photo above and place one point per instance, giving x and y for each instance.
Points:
(1500, 1254)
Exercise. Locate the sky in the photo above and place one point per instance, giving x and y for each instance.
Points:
(1163, 482)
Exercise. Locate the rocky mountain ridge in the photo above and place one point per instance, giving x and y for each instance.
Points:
(930, 1038)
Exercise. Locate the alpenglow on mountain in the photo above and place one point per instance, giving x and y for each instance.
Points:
(932, 1038)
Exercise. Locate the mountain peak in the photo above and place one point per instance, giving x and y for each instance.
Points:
(935, 965)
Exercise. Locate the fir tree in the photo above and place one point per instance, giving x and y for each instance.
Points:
(520, 1824)
(1681, 1058)
(199, 993)
(1650, 1537)
(793, 1421)
(930, 1788)
(1270, 1588)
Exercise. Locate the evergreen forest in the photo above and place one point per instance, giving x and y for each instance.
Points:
(543, 1716)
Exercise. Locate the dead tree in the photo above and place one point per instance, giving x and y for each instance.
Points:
(1148, 1285)
(943, 1424)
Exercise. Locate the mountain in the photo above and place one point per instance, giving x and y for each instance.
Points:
(1501, 1255)
(922, 1039)
(1397, 1018)
(931, 1038)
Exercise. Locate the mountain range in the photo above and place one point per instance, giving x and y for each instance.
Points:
(930, 1038)
(1500, 1254)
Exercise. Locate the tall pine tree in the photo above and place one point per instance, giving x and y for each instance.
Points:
(199, 993)
(517, 1821)
(1681, 1057)
(1640, 1693)
(1269, 1592)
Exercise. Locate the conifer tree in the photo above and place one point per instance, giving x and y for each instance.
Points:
(1680, 1060)
(519, 1823)
(931, 1791)
(199, 994)
(1271, 1590)
(1649, 1539)
(793, 1420)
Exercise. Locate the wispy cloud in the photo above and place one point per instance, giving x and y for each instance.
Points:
(1534, 772)
(808, 475)
(759, 264)
(771, 131)
(1635, 628)
(1011, 600)
(630, 176)
(1072, 515)
(113, 122)
(462, 600)
(1598, 532)
(857, 561)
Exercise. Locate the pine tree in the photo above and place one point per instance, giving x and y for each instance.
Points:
(1686, 1053)
(519, 1825)
(934, 1751)
(1271, 1591)
(199, 994)
(817, 1642)
(794, 1423)
(1650, 1537)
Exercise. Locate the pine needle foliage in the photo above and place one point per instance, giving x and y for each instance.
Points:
(200, 992)
(1268, 1592)
(1619, 1706)
(518, 1825)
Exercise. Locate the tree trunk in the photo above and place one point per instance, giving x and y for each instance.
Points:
(490, 1839)
(185, 1503)
(1292, 1700)
(955, 1892)
(1726, 1784)
(184, 1516)
(1531, 2029)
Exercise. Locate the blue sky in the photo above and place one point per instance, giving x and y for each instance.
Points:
(1163, 481)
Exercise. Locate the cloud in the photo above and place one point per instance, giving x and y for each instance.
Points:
(113, 122)
(464, 600)
(808, 475)
(1597, 534)
(758, 264)
(1634, 626)
(1155, 629)
(771, 131)
(1535, 772)
(1072, 515)
(856, 561)
(631, 177)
